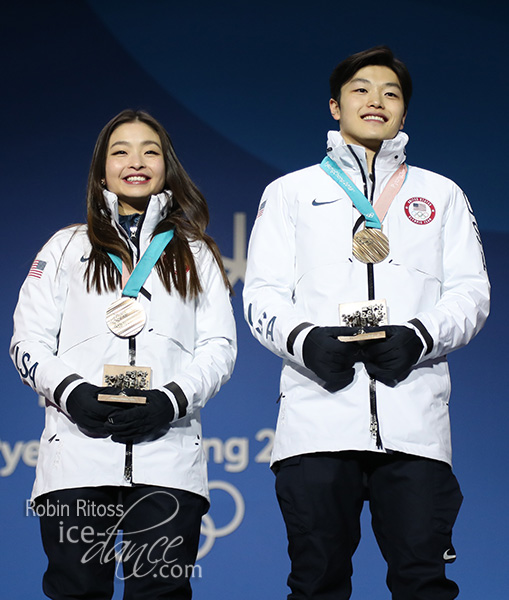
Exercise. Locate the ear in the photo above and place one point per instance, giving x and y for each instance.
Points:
(334, 109)
(402, 122)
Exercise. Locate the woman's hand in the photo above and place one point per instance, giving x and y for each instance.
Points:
(87, 412)
(142, 423)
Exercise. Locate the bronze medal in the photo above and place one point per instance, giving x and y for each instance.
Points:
(370, 245)
(125, 317)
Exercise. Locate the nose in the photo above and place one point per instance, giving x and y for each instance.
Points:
(375, 99)
(137, 161)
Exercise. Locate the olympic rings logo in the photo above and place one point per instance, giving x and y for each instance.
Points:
(208, 527)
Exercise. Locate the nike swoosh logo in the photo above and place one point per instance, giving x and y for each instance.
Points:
(448, 556)
(84, 258)
(315, 203)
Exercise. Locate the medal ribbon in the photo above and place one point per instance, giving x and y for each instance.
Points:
(133, 285)
(374, 215)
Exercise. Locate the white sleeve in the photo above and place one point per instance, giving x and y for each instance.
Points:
(215, 343)
(465, 299)
(270, 277)
(37, 321)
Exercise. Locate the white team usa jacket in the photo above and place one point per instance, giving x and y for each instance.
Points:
(301, 267)
(60, 332)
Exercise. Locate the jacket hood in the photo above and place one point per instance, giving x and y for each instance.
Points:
(388, 158)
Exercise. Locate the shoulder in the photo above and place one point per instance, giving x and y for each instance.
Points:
(427, 177)
(297, 178)
(297, 187)
(72, 239)
(67, 234)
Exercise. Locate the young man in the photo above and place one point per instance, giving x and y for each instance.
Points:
(365, 387)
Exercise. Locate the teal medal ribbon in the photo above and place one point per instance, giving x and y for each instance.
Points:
(359, 200)
(145, 264)
(126, 316)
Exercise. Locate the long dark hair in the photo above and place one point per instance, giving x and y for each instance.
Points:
(189, 216)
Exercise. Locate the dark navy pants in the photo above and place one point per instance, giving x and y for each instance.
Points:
(158, 544)
(413, 501)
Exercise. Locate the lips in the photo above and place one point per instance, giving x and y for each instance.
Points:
(136, 179)
(375, 117)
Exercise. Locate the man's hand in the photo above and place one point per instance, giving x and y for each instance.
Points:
(142, 423)
(390, 360)
(329, 358)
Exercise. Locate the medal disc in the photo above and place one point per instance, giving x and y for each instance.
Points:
(370, 245)
(125, 317)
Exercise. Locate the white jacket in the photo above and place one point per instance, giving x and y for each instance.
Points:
(300, 267)
(60, 332)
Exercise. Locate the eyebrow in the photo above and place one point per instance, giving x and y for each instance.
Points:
(145, 143)
(361, 80)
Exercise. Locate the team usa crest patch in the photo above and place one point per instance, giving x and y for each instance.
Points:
(420, 211)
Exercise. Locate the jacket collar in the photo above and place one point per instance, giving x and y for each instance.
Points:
(157, 208)
(390, 156)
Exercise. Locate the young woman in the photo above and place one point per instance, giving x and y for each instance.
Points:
(125, 327)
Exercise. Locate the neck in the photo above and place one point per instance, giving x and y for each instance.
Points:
(129, 208)
(370, 155)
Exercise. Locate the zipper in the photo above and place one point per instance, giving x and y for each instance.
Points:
(370, 266)
(128, 464)
(134, 247)
(374, 425)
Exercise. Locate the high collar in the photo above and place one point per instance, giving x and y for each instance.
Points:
(390, 156)
(157, 208)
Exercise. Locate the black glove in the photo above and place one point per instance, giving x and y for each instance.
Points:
(87, 412)
(329, 358)
(390, 360)
(142, 423)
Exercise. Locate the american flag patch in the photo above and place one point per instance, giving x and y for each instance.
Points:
(37, 268)
(260, 210)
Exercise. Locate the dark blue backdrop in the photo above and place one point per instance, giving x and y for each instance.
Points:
(242, 88)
